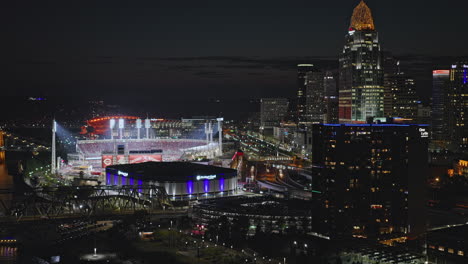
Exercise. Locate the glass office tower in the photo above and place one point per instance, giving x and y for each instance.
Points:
(361, 94)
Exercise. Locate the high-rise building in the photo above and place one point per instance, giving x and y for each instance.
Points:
(458, 105)
(400, 98)
(361, 75)
(404, 101)
(391, 66)
(272, 112)
(302, 70)
(424, 114)
(315, 93)
(372, 179)
(439, 125)
(331, 98)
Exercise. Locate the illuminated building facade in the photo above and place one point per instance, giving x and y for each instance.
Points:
(315, 93)
(361, 94)
(460, 168)
(272, 112)
(400, 99)
(448, 245)
(373, 178)
(182, 180)
(458, 105)
(302, 71)
(404, 101)
(331, 98)
(439, 116)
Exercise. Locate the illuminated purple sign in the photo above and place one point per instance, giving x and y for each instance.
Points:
(140, 184)
(108, 178)
(206, 185)
(221, 184)
(190, 187)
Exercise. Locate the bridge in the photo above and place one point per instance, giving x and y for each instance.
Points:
(11, 142)
(72, 201)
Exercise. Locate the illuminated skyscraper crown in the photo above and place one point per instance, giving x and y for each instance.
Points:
(362, 18)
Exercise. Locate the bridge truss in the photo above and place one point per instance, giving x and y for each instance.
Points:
(67, 201)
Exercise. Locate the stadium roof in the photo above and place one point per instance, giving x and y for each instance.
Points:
(171, 171)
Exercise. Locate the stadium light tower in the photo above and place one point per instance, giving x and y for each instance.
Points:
(112, 125)
(138, 126)
(147, 127)
(220, 134)
(121, 127)
(54, 155)
(209, 132)
(210, 128)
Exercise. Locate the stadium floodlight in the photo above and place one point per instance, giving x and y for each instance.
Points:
(138, 126)
(220, 134)
(147, 126)
(54, 157)
(112, 123)
(121, 123)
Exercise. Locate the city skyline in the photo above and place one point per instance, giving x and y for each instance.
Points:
(254, 132)
(156, 48)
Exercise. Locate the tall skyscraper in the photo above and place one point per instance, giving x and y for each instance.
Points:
(439, 126)
(272, 112)
(458, 105)
(400, 98)
(302, 70)
(391, 67)
(403, 99)
(315, 93)
(361, 74)
(372, 179)
(331, 98)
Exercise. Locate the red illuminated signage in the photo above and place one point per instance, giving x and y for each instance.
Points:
(106, 160)
(441, 72)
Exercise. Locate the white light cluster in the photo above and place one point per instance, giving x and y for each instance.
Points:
(206, 177)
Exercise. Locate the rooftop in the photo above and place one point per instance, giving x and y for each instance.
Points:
(362, 18)
(171, 171)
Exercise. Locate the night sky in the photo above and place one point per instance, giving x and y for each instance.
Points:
(167, 51)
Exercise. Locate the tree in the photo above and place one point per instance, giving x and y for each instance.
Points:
(240, 227)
